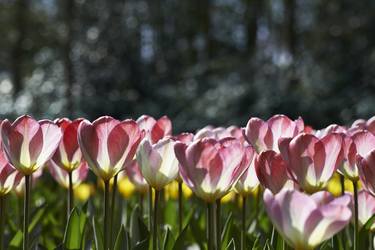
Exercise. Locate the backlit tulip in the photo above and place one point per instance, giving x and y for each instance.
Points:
(349, 168)
(311, 161)
(248, 182)
(68, 155)
(366, 208)
(272, 171)
(62, 177)
(211, 167)
(306, 221)
(9, 176)
(136, 177)
(264, 135)
(19, 189)
(158, 162)
(155, 129)
(28, 143)
(108, 145)
(212, 132)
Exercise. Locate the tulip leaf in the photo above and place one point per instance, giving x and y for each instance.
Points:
(226, 233)
(231, 245)
(180, 241)
(122, 240)
(168, 240)
(141, 245)
(16, 241)
(73, 236)
(138, 230)
(37, 217)
(98, 235)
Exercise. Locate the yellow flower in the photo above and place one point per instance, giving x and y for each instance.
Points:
(171, 191)
(125, 187)
(334, 185)
(228, 197)
(83, 191)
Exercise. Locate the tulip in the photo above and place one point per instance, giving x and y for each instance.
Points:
(159, 167)
(271, 171)
(366, 208)
(311, 161)
(264, 135)
(135, 177)
(210, 168)
(211, 132)
(68, 157)
(29, 144)
(247, 184)
(108, 145)
(62, 177)
(155, 129)
(306, 221)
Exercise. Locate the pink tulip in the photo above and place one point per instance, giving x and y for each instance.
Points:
(62, 176)
(212, 132)
(155, 129)
(362, 124)
(108, 145)
(366, 208)
(28, 143)
(306, 221)
(158, 162)
(264, 135)
(184, 137)
(19, 189)
(333, 128)
(136, 177)
(248, 182)
(272, 171)
(9, 176)
(211, 167)
(68, 156)
(311, 161)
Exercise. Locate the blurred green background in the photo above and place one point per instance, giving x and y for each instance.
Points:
(198, 61)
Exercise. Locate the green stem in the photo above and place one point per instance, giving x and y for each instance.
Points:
(141, 203)
(113, 204)
(243, 219)
(2, 221)
(150, 208)
(209, 226)
(342, 182)
(106, 215)
(273, 236)
(155, 223)
(355, 189)
(218, 223)
(26, 207)
(180, 208)
(70, 194)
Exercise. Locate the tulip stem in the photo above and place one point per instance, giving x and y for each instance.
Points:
(155, 223)
(2, 221)
(211, 241)
(106, 215)
(218, 223)
(180, 206)
(150, 208)
(113, 204)
(26, 206)
(243, 219)
(141, 203)
(70, 194)
(355, 190)
(342, 182)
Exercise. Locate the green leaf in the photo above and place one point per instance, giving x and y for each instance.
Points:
(226, 233)
(16, 241)
(37, 217)
(122, 240)
(141, 245)
(98, 235)
(231, 245)
(73, 236)
(181, 239)
(138, 230)
(168, 240)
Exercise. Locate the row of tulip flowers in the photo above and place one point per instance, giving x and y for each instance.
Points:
(290, 160)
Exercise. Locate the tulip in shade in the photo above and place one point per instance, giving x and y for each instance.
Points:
(62, 176)
(68, 156)
(136, 177)
(248, 182)
(306, 221)
(366, 208)
(155, 129)
(311, 161)
(108, 145)
(28, 143)
(211, 167)
(264, 135)
(272, 171)
(158, 162)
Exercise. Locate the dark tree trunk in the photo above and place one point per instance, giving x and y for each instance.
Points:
(69, 9)
(17, 51)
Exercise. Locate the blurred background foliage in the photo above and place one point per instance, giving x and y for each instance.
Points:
(199, 61)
